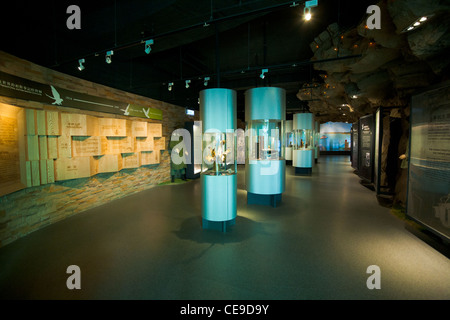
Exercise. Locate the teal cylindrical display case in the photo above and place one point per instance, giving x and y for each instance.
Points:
(288, 141)
(303, 152)
(265, 166)
(219, 166)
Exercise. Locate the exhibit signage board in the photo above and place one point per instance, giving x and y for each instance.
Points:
(355, 144)
(20, 88)
(428, 199)
(377, 153)
(366, 147)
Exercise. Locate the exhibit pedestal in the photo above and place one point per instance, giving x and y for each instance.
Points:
(219, 201)
(264, 199)
(302, 161)
(288, 153)
(265, 181)
(303, 171)
(218, 225)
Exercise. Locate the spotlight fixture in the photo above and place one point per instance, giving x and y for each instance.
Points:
(307, 14)
(148, 47)
(417, 23)
(205, 81)
(108, 56)
(170, 86)
(80, 62)
(187, 83)
(263, 71)
(307, 10)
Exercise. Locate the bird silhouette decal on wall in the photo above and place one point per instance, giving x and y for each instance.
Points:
(126, 112)
(55, 97)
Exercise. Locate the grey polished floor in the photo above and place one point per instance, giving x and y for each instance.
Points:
(317, 244)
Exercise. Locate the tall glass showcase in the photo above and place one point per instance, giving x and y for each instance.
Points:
(304, 151)
(288, 141)
(265, 114)
(219, 167)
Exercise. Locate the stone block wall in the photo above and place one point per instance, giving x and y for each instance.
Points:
(30, 209)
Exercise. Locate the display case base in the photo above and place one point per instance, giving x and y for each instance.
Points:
(263, 199)
(218, 225)
(303, 171)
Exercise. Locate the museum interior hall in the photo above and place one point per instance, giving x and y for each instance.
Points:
(212, 150)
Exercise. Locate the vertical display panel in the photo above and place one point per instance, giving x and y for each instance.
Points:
(428, 199)
(366, 147)
(355, 145)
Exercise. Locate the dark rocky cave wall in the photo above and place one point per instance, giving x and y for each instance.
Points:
(390, 66)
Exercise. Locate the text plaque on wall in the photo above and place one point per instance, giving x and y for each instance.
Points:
(428, 199)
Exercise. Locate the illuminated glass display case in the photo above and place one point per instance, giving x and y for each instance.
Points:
(265, 114)
(304, 150)
(264, 139)
(219, 153)
(288, 140)
(219, 167)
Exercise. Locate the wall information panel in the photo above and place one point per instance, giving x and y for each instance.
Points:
(428, 200)
(366, 147)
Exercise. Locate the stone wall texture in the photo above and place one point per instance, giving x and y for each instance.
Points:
(30, 209)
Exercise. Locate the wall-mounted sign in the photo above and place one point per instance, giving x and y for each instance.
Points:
(428, 200)
(20, 88)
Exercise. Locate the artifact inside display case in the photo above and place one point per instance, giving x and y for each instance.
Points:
(303, 139)
(289, 139)
(264, 140)
(219, 153)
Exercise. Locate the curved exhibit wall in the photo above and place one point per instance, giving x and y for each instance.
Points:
(26, 208)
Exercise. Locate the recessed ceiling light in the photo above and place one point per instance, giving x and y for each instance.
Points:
(423, 19)
(416, 24)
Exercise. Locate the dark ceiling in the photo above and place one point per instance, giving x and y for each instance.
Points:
(228, 41)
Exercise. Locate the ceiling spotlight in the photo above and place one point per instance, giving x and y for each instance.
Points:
(80, 62)
(354, 96)
(307, 10)
(108, 56)
(169, 86)
(307, 13)
(417, 23)
(263, 71)
(148, 47)
(205, 82)
(187, 83)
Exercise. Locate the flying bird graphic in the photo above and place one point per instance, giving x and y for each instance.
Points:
(126, 112)
(55, 97)
(146, 112)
